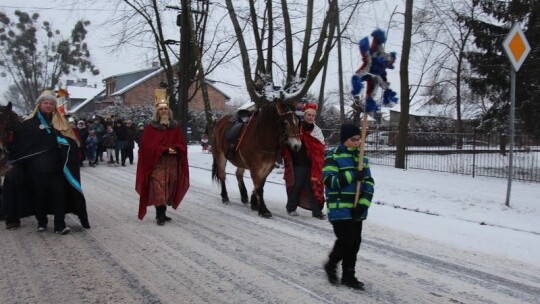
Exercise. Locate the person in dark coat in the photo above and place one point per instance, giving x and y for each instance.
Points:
(83, 134)
(131, 133)
(303, 169)
(45, 151)
(98, 126)
(121, 141)
(341, 174)
(138, 134)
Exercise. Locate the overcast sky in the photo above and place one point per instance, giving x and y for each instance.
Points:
(64, 13)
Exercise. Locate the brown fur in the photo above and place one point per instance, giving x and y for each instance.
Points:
(257, 152)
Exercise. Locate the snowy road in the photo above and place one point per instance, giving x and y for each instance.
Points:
(212, 253)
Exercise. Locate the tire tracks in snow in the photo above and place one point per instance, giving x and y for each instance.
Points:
(490, 282)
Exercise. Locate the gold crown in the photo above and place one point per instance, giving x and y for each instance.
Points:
(161, 99)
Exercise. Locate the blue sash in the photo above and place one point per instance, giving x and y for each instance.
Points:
(62, 141)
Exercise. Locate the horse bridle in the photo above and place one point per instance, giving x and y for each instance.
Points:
(283, 135)
(292, 115)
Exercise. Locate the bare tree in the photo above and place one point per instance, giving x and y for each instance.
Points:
(305, 47)
(405, 90)
(446, 31)
(144, 25)
(35, 55)
(143, 22)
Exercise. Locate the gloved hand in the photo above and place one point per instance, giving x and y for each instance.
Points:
(359, 175)
(358, 211)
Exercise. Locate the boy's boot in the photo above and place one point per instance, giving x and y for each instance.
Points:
(330, 269)
(348, 279)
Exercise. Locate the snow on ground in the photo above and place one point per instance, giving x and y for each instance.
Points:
(424, 242)
(461, 211)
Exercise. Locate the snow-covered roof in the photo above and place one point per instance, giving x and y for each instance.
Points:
(76, 92)
(469, 110)
(220, 87)
(86, 101)
(137, 82)
(248, 105)
(157, 72)
(385, 112)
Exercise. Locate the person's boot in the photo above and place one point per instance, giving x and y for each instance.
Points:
(42, 224)
(348, 279)
(160, 215)
(330, 269)
(167, 219)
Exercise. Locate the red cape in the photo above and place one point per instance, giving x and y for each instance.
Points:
(315, 152)
(152, 145)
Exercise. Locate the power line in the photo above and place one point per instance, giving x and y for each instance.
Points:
(61, 9)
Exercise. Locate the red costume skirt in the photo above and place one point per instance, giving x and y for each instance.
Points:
(163, 181)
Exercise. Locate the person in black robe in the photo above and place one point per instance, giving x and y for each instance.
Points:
(46, 174)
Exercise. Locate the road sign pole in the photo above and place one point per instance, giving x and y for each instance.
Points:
(517, 48)
(511, 154)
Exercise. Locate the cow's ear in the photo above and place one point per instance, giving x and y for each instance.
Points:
(9, 106)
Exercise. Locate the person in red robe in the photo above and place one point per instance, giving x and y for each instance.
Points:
(303, 169)
(162, 170)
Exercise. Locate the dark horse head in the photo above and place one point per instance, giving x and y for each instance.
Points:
(261, 142)
(289, 129)
(7, 119)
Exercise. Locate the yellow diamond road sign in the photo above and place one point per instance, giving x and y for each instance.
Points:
(516, 47)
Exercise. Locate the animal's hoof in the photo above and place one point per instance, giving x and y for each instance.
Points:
(245, 201)
(225, 202)
(266, 214)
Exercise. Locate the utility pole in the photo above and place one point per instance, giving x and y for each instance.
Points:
(185, 73)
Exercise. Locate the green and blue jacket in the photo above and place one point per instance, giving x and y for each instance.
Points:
(340, 165)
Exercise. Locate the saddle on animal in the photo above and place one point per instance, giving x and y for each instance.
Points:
(237, 123)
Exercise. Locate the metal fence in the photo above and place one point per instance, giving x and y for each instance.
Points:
(468, 154)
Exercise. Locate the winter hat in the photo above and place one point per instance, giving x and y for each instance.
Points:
(348, 130)
(47, 95)
(309, 107)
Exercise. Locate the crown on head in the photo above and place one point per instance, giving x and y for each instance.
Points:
(161, 99)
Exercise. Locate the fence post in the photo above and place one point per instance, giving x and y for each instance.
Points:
(474, 155)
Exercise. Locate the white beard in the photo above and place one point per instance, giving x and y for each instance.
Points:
(164, 120)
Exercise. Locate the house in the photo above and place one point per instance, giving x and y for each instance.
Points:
(137, 88)
(420, 112)
(80, 99)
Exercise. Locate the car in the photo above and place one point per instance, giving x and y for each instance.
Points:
(378, 138)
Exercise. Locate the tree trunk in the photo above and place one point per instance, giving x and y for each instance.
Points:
(340, 74)
(201, 79)
(405, 90)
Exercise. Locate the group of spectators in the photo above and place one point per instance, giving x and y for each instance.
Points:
(111, 135)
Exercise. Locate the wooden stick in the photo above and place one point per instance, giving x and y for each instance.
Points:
(361, 156)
